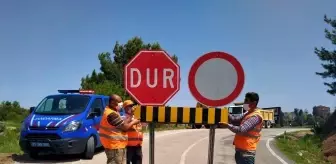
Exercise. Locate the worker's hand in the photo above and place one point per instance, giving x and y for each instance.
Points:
(135, 121)
(133, 108)
(128, 119)
(223, 124)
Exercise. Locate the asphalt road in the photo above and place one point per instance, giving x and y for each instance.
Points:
(189, 146)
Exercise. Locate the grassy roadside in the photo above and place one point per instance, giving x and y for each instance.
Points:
(12, 124)
(302, 147)
(9, 141)
(9, 137)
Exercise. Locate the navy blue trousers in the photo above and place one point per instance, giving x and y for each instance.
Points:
(244, 157)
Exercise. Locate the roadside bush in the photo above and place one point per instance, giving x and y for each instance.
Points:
(2, 127)
(302, 147)
(329, 128)
(278, 126)
(12, 111)
(317, 128)
(9, 141)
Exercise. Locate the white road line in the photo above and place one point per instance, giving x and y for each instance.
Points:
(169, 134)
(184, 154)
(272, 152)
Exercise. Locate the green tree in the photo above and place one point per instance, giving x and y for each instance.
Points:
(305, 116)
(310, 119)
(16, 104)
(288, 118)
(108, 88)
(12, 111)
(110, 79)
(299, 117)
(328, 58)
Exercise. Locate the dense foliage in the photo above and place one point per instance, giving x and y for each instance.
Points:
(298, 117)
(12, 111)
(110, 79)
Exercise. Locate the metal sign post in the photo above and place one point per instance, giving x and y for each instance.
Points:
(211, 144)
(229, 82)
(151, 142)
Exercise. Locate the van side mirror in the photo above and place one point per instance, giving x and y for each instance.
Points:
(31, 109)
(96, 112)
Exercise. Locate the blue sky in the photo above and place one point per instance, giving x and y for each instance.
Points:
(50, 45)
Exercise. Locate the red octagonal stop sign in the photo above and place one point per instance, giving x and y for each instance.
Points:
(152, 78)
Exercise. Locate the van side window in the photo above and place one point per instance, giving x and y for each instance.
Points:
(107, 101)
(97, 103)
(46, 106)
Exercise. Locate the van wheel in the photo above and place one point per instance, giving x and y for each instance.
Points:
(263, 124)
(90, 148)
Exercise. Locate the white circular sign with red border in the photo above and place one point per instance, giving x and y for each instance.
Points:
(216, 79)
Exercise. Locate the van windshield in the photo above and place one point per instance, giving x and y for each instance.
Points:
(235, 110)
(63, 104)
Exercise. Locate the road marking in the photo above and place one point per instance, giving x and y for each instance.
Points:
(270, 149)
(184, 154)
(172, 133)
(273, 153)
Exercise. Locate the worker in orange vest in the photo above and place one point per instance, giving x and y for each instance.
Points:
(135, 137)
(248, 132)
(113, 131)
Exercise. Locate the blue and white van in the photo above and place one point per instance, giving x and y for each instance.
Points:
(65, 123)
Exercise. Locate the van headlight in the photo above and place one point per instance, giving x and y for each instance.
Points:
(23, 126)
(72, 126)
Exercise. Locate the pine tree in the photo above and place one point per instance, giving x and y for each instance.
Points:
(110, 78)
(328, 57)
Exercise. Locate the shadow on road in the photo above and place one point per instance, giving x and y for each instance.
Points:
(50, 158)
(225, 143)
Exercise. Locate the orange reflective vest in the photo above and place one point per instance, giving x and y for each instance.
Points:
(248, 141)
(110, 136)
(135, 136)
